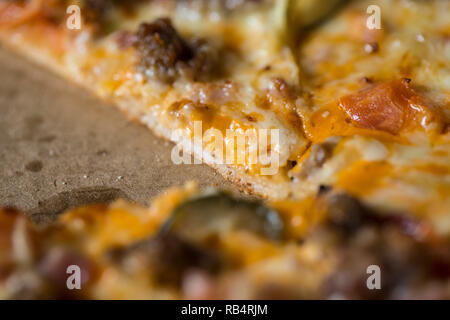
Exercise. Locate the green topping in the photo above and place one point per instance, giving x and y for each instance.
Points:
(206, 218)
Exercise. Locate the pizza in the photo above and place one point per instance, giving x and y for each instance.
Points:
(191, 245)
(349, 123)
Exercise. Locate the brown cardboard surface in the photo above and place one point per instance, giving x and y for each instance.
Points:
(61, 147)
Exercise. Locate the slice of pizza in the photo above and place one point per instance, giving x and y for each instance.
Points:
(182, 68)
(222, 71)
(208, 246)
(352, 95)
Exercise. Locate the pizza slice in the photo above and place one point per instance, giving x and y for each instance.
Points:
(180, 67)
(223, 71)
(190, 245)
(341, 105)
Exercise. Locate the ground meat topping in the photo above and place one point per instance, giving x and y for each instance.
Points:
(168, 258)
(164, 55)
(319, 154)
